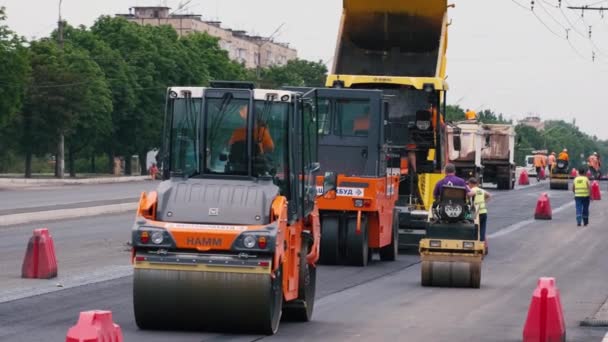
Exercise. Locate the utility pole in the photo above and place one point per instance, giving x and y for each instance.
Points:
(60, 159)
(600, 9)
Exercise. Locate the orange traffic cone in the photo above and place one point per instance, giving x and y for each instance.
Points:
(40, 261)
(543, 208)
(523, 178)
(545, 321)
(95, 326)
(596, 194)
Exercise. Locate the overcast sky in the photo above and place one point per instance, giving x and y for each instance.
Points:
(500, 56)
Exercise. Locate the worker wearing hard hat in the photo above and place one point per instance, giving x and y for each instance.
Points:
(539, 164)
(551, 161)
(261, 134)
(563, 155)
(470, 115)
(594, 165)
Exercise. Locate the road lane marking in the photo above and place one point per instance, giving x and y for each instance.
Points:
(519, 225)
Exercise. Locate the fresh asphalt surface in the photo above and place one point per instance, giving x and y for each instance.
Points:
(383, 301)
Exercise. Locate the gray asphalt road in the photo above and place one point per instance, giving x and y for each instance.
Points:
(381, 302)
(44, 198)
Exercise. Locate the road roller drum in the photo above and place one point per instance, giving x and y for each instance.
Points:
(447, 272)
(207, 300)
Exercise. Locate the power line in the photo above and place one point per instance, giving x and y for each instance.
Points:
(601, 52)
(561, 25)
(547, 26)
(520, 5)
(552, 17)
(565, 29)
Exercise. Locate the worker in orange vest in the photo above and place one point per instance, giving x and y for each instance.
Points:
(470, 115)
(594, 165)
(539, 164)
(551, 161)
(361, 124)
(261, 133)
(563, 155)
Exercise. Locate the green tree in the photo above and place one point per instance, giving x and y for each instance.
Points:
(66, 94)
(14, 70)
(157, 59)
(297, 73)
(92, 124)
(488, 116)
(121, 81)
(454, 113)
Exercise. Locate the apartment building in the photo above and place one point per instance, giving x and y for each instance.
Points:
(253, 51)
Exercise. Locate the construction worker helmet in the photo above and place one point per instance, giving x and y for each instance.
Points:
(595, 153)
(565, 150)
(553, 153)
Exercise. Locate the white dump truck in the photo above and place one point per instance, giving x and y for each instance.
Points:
(484, 151)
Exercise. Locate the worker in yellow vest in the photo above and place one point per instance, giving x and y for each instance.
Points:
(582, 191)
(481, 196)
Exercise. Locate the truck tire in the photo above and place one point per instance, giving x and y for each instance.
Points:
(389, 253)
(504, 184)
(357, 247)
(330, 240)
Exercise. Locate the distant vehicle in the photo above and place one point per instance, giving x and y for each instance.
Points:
(529, 162)
(483, 151)
(529, 166)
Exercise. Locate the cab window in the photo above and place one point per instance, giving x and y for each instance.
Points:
(352, 118)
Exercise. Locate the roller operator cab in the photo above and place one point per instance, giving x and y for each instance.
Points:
(358, 219)
(230, 238)
(399, 47)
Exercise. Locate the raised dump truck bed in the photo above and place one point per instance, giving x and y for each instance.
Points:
(392, 38)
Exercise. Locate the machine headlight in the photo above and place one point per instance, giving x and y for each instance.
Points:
(453, 211)
(435, 243)
(358, 203)
(249, 241)
(423, 125)
(468, 244)
(157, 238)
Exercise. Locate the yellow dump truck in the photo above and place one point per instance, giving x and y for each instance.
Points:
(400, 48)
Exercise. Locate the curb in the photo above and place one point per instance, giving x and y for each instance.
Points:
(102, 180)
(61, 214)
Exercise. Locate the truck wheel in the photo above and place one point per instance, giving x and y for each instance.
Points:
(330, 238)
(503, 184)
(389, 253)
(300, 310)
(357, 248)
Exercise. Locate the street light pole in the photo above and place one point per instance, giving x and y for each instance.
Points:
(60, 160)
